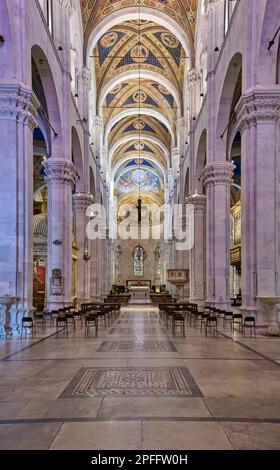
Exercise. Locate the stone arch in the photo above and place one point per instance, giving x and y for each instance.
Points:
(135, 111)
(132, 13)
(6, 49)
(52, 103)
(268, 61)
(135, 136)
(121, 162)
(227, 95)
(136, 74)
(77, 159)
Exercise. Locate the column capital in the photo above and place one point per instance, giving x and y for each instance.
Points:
(81, 201)
(193, 77)
(98, 123)
(218, 173)
(182, 122)
(213, 5)
(60, 171)
(198, 201)
(67, 4)
(86, 77)
(18, 102)
(258, 105)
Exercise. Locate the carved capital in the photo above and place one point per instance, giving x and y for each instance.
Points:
(18, 102)
(60, 171)
(213, 5)
(81, 201)
(218, 173)
(98, 123)
(259, 105)
(181, 122)
(67, 4)
(86, 77)
(198, 201)
(193, 78)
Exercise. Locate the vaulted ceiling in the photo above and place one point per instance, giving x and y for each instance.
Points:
(182, 11)
(139, 68)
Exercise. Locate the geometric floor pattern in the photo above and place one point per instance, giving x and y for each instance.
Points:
(137, 346)
(129, 331)
(132, 381)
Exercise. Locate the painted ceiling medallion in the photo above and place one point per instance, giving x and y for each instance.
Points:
(139, 176)
(139, 161)
(139, 125)
(109, 39)
(163, 90)
(139, 53)
(139, 146)
(116, 90)
(169, 40)
(139, 96)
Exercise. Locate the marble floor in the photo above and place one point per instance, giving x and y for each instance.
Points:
(137, 387)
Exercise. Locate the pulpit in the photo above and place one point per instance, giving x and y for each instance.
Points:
(178, 277)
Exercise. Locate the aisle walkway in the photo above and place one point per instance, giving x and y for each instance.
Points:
(135, 387)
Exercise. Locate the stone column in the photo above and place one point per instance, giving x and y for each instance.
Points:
(60, 176)
(258, 115)
(18, 108)
(198, 252)
(81, 201)
(111, 280)
(217, 179)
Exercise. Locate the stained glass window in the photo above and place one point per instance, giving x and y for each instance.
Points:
(138, 259)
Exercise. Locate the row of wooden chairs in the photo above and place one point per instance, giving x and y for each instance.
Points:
(208, 318)
(93, 314)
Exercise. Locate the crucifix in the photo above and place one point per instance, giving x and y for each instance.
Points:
(139, 208)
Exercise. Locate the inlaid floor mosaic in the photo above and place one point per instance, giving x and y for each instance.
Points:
(132, 381)
(137, 346)
(145, 331)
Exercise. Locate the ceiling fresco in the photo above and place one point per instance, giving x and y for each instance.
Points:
(127, 48)
(182, 11)
(134, 178)
(140, 77)
(145, 125)
(139, 149)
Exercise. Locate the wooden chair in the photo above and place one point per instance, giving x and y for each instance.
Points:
(62, 323)
(228, 319)
(178, 321)
(91, 321)
(40, 321)
(27, 324)
(211, 325)
(238, 321)
(249, 324)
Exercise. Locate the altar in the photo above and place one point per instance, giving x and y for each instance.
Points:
(139, 291)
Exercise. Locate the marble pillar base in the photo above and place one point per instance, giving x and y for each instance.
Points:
(10, 317)
(267, 314)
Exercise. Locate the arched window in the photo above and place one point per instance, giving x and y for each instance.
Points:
(138, 260)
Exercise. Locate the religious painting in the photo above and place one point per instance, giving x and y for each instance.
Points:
(134, 178)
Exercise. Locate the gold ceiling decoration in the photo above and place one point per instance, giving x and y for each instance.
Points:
(136, 148)
(148, 126)
(140, 94)
(140, 65)
(182, 11)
